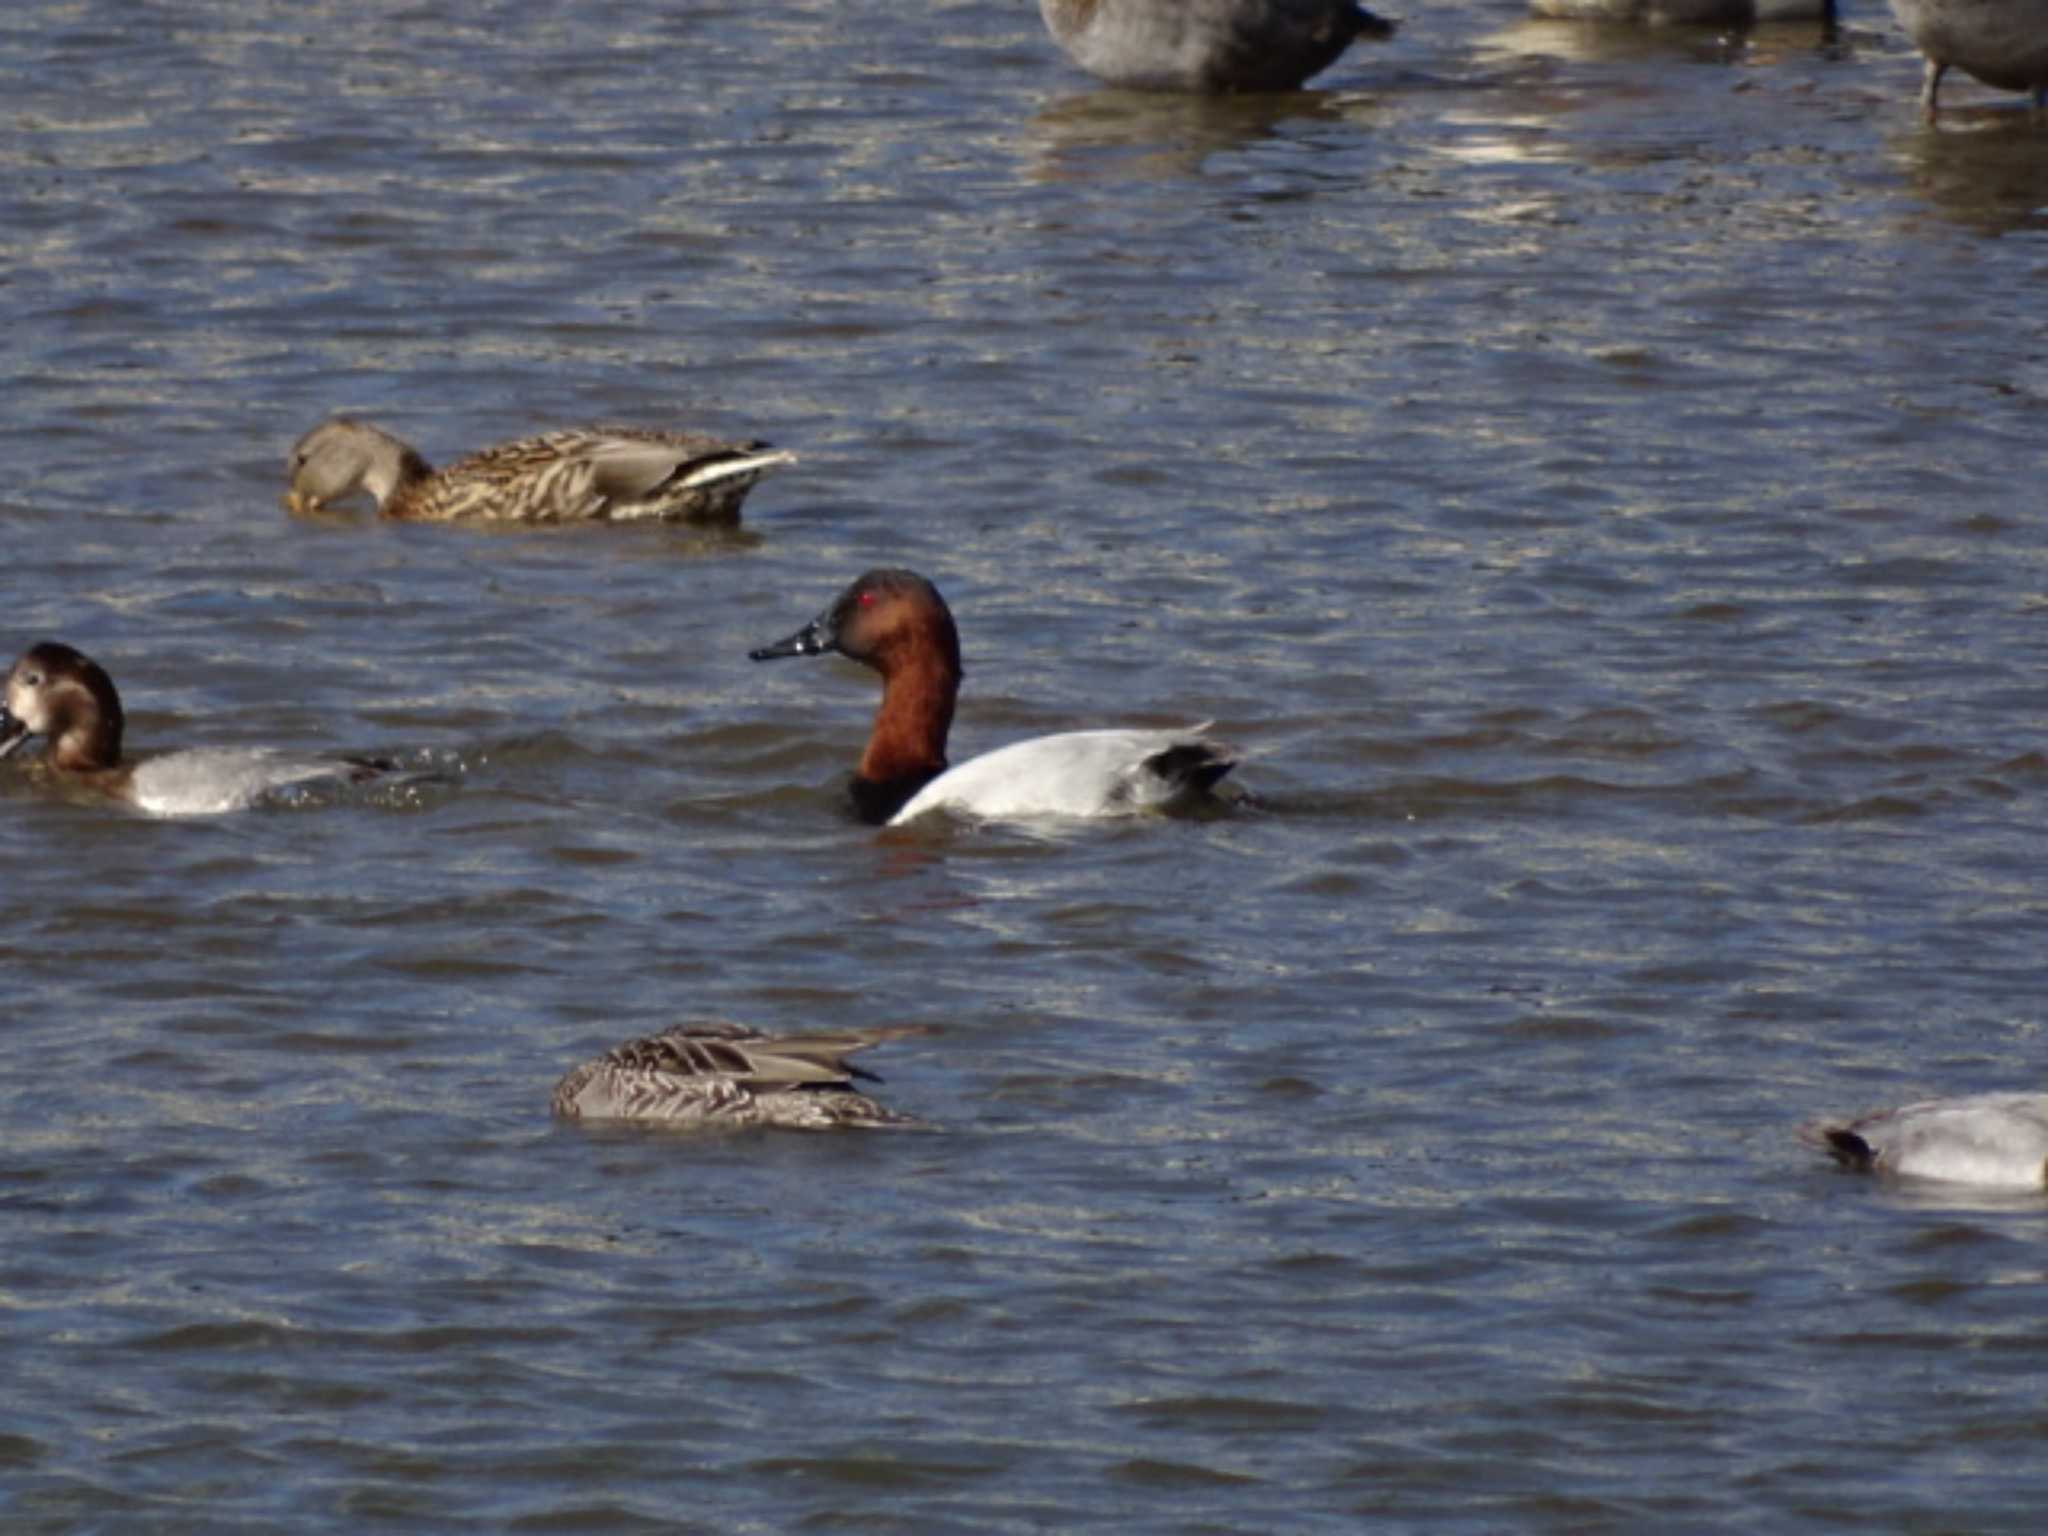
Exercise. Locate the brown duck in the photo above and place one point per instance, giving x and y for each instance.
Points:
(580, 475)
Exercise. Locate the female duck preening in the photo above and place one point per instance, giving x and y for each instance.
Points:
(67, 698)
(729, 1075)
(1212, 46)
(582, 475)
(1993, 1139)
(896, 622)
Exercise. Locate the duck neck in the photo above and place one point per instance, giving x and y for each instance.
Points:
(88, 742)
(394, 468)
(907, 747)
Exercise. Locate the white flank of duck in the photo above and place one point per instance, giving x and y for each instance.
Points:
(1993, 1139)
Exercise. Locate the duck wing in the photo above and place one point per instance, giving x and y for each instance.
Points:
(712, 1073)
(597, 474)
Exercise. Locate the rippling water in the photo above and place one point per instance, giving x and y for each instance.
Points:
(1592, 476)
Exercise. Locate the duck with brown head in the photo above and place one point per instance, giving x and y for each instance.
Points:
(896, 622)
(66, 697)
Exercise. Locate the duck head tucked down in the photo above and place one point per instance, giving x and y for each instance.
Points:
(340, 457)
(582, 474)
(727, 1076)
(896, 622)
(66, 697)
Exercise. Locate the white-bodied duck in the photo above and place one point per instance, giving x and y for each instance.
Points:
(896, 622)
(1993, 1139)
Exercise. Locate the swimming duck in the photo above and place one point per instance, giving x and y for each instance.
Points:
(729, 1075)
(1988, 1138)
(2004, 43)
(586, 474)
(66, 697)
(1213, 46)
(896, 622)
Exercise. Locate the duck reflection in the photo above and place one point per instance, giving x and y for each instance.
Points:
(1992, 179)
(1685, 13)
(1603, 41)
(1147, 135)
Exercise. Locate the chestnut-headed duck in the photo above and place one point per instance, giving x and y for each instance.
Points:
(1214, 46)
(896, 622)
(1996, 1139)
(582, 475)
(1684, 13)
(729, 1075)
(2004, 43)
(67, 698)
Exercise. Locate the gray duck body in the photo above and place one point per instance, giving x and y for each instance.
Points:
(1208, 45)
(2004, 43)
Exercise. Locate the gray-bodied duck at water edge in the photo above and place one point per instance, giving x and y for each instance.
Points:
(726, 1075)
(580, 475)
(1208, 45)
(2004, 43)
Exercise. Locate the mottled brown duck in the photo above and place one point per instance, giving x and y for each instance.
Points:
(579, 475)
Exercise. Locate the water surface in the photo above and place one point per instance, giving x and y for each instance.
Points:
(1589, 474)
